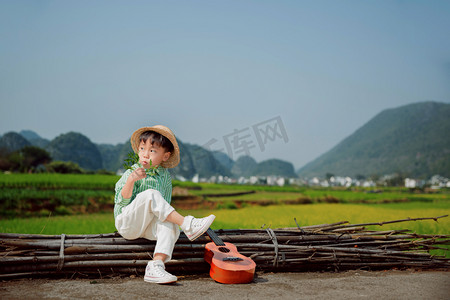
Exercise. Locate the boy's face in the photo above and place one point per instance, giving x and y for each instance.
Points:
(148, 152)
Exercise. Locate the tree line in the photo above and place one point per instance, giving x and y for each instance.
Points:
(32, 159)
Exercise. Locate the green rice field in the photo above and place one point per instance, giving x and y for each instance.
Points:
(276, 216)
(72, 204)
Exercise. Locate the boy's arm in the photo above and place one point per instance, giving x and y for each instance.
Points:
(119, 199)
(136, 175)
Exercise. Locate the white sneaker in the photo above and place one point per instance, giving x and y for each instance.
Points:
(156, 273)
(193, 227)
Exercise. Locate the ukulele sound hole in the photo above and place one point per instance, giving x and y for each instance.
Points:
(224, 250)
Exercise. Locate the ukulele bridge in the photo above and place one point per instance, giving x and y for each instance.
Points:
(232, 258)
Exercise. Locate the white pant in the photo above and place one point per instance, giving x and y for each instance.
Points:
(145, 217)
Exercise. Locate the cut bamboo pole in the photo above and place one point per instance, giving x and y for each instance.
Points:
(337, 246)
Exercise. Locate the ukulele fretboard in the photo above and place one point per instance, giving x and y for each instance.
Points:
(215, 238)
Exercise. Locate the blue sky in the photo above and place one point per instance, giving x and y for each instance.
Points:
(208, 68)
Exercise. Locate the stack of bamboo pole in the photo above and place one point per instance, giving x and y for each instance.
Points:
(326, 247)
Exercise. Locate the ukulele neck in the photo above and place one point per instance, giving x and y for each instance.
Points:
(214, 237)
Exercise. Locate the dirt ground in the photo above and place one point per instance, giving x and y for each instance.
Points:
(344, 285)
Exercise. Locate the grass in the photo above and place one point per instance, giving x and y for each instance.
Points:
(256, 217)
(260, 196)
(52, 194)
(77, 224)
(364, 195)
(314, 194)
(67, 181)
(37, 194)
(312, 214)
(58, 181)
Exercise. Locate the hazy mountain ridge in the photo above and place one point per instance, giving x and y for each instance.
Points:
(78, 148)
(13, 141)
(411, 139)
(195, 160)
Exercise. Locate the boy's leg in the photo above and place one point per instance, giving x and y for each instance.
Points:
(193, 227)
(155, 272)
(166, 236)
(149, 206)
(175, 217)
(136, 217)
(143, 217)
(142, 213)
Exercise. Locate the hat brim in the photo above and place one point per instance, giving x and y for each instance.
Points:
(174, 158)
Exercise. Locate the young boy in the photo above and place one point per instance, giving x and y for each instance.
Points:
(142, 202)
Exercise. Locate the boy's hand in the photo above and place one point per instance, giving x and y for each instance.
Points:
(138, 174)
(127, 190)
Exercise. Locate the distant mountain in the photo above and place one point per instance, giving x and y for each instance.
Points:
(78, 148)
(34, 138)
(113, 156)
(244, 166)
(13, 141)
(186, 167)
(275, 167)
(194, 160)
(413, 140)
(204, 163)
(29, 135)
(223, 159)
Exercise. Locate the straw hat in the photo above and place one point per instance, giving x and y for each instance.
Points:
(174, 158)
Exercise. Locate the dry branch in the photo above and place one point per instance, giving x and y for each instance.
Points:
(325, 247)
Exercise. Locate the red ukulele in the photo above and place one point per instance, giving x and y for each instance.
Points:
(227, 264)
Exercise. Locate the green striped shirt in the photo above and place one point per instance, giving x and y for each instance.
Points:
(161, 182)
